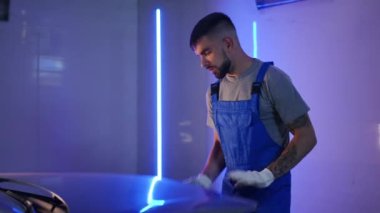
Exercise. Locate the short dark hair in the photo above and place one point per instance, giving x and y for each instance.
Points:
(207, 25)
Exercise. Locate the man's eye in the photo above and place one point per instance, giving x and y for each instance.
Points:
(206, 53)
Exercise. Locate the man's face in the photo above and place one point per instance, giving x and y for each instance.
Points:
(212, 56)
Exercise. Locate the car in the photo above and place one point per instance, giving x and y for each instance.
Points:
(108, 193)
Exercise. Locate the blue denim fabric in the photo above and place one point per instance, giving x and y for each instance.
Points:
(246, 145)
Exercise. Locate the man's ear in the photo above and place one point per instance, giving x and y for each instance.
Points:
(228, 42)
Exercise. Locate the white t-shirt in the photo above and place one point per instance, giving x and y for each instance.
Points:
(280, 102)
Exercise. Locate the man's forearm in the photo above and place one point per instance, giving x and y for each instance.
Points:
(215, 163)
(287, 160)
(302, 143)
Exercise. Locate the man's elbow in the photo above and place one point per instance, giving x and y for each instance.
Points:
(312, 139)
(307, 137)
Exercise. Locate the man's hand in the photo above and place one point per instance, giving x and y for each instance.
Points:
(201, 180)
(251, 178)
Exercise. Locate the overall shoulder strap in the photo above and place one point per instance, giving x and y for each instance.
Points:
(260, 77)
(215, 91)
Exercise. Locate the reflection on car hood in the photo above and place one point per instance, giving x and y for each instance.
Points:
(84, 192)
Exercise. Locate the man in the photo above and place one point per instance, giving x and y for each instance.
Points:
(252, 109)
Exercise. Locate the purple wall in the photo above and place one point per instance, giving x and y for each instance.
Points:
(329, 49)
(68, 86)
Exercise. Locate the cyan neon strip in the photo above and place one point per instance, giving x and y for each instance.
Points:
(255, 48)
(158, 89)
(151, 201)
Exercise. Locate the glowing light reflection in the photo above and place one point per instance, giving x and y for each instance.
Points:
(255, 48)
(16, 210)
(50, 63)
(151, 201)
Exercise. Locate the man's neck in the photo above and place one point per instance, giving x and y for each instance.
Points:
(241, 65)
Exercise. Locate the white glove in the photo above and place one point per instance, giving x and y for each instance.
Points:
(251, 178)
(201, 180)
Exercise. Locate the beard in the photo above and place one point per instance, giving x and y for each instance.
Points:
(223, 69)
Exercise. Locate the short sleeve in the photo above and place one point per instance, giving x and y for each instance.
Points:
(285, 98)
(210, 120)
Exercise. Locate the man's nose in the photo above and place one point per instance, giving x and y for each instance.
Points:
(204, 63)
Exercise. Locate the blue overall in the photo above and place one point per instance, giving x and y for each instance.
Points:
(246, 145)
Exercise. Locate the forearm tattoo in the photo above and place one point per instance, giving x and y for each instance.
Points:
(290, 157)
(285, 162)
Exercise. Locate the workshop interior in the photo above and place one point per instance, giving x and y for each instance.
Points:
(103, 104)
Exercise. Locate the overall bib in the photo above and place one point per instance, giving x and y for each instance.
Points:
(246, 145)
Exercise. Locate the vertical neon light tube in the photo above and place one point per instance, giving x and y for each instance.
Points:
(158, 89)
(378, 132)
(254, 32)
(151, 202)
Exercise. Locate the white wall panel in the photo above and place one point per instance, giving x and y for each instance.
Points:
(69, 87)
